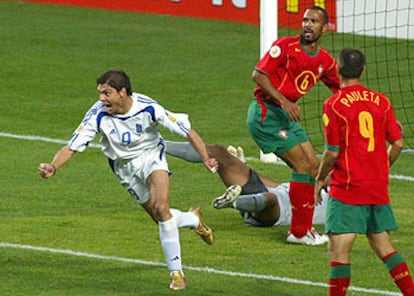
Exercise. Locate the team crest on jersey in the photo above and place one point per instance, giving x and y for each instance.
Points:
(275, 51)
(172, 118)
(283, 134)
(320, 70)
(325, 119)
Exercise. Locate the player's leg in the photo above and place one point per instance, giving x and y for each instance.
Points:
(340, 246)
(232, 171)
(157, 207)
(301, 158)
(194, 220)
(183, 150)
(380, 242)
(252, 198)
(341, 239)
(274, 132)
(234, 167)
(263, 207)
(395, 263)
(149, 184)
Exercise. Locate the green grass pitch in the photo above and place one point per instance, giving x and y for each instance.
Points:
(80, 233)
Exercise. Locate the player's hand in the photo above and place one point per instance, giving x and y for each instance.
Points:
(47, 170)
(292, 109)
(317, 194)
(212, 164)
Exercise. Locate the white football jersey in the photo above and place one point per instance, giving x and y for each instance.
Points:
(282, 193)
(127, 135)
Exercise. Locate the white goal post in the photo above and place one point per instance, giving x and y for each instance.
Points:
(268, 34)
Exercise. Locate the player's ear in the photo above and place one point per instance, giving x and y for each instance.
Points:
(337, 68)
(123, 92)
(325, 28)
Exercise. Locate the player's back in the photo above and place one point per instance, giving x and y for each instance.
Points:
(362, 116)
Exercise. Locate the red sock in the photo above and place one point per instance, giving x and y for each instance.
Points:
(338, 287)
(303, 205)
(399, 272)
(339, 278)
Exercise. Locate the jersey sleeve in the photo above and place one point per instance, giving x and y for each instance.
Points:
(330, 77)
(330, 126)
(393, 128)
(273, 58)
(86, 130)
(176, 123)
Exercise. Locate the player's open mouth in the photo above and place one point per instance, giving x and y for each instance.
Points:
(307, 32)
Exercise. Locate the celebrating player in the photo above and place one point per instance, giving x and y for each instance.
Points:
(261, 201)
(127, 123)
(291, 67)
(358, 123)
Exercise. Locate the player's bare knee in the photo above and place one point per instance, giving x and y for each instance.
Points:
(161, 211)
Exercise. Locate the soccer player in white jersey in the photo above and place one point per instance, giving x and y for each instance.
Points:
(261, 201)
(127, 123)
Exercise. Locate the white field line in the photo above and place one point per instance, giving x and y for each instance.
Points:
(199, 269)
(60, 141)
(144, 262)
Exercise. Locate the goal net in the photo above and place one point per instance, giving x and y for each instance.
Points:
(384, 31)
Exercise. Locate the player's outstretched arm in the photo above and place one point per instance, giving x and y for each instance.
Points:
(47, 170)
(199, 145)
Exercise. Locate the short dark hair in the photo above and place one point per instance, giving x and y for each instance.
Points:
(325, 13)
(351, 63)
(118, 79)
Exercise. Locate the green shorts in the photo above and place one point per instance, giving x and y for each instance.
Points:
(346, 218)
(277, 133)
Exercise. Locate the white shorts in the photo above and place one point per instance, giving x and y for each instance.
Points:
(133, 173)
(282, 193)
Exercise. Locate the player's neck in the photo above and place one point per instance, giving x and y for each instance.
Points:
(125, 105)
(311, 47)
(349, 82)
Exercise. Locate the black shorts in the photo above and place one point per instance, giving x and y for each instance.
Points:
(253, 186)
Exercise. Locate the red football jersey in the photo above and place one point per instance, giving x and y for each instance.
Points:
(294, 71)
(359, 122)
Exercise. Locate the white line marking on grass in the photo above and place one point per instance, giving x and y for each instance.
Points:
(39, 138)
(143, 262)
(60, 141)
(201, 269)
(401, 177)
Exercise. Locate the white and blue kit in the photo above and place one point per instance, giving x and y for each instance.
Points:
(132, 141)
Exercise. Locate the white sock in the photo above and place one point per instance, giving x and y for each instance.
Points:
(170, 242)
(185, 219)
